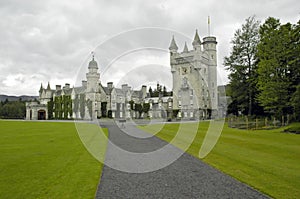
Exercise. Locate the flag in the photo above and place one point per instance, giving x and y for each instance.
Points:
(208, 20)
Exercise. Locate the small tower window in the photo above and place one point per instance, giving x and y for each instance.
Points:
(212, 56)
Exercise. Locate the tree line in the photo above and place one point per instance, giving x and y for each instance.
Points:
(264, 66)
(159, 91)
(12, 109)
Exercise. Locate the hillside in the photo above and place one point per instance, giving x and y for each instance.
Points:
(16, 98)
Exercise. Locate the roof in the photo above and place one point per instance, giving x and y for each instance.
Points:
(93, 64)
(185, 49)
(197, 40)
(173, 45)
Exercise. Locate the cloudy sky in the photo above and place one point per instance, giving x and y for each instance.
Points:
(52, 40)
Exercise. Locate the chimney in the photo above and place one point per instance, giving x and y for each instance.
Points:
(144, 91)
(67, 86)
(58, 87)
(109, 85)
(84, 83)
(125, 87)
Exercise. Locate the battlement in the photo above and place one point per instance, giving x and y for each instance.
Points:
(210, 39)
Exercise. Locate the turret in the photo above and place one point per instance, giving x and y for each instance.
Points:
(41, 88)
(197, 42)
(48, 87)
(173, 46)
(93, 65)
(92, 76)
(185, 49)
(210, 47)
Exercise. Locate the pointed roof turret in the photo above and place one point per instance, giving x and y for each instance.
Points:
(41, 88)
(197, 40)
(173, 45)
(48, 87)
(185, 49)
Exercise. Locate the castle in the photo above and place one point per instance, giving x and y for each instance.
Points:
(194, 93)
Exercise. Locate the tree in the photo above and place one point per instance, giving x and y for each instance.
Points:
(165, 93)
(12, 110)
(90, 107)
(50, 105)
(146, 107)
(82, 103)
(242, 64)
(139, 109)
(151, 92)
(278, 68)
(295, 103)
(103, 109)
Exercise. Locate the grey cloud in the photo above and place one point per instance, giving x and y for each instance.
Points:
(52, 40)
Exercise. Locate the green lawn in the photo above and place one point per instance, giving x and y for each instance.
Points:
(267, 160)
(45, 160)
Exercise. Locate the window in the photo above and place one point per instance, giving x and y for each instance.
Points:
(191, 92)
(113, 105)
(179, 103)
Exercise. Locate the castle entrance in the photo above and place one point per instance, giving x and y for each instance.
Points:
(41, 115)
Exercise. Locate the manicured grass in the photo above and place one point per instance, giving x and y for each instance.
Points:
(45, 160)
(267, 160)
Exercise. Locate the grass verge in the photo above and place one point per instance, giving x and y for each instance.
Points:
(45, 160)
(267, 160)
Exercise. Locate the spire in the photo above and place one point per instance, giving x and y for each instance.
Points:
(197, 40)
(185, 49)
(173, 45)
(48, 87)
(93, 55)
(41, 88)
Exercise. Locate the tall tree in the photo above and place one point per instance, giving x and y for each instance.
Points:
(278, 67)
(295, 103)
(151, 92)
(242, 64)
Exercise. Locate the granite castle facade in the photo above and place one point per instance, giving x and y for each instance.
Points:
(194, 93)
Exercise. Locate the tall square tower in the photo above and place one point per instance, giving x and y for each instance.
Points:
(195, 78)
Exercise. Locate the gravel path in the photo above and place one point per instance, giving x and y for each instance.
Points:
(187, 177)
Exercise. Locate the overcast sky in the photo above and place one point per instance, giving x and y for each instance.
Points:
(52, 40)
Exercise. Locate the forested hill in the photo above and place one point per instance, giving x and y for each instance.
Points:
(17, 98)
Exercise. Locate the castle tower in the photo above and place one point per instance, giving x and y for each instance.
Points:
(92, 76)
(210, 47)
(194, 78)
(92, 88)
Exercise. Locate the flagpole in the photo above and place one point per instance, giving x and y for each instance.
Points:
(208, 24)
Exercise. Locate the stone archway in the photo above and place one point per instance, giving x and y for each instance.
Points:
(41, 115)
